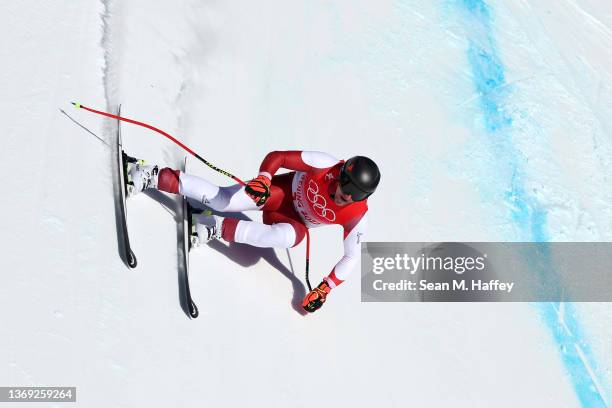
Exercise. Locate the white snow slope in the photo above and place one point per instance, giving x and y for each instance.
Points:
(491, 120)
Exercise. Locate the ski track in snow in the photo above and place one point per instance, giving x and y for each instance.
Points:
(106, 44)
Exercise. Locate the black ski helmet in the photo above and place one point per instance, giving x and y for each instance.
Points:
(359, 177)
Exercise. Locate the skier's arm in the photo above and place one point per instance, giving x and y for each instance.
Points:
(295, 160)
(354, 234)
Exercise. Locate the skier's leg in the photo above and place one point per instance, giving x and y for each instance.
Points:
(282, 227)
(280, 235)
(223, 199)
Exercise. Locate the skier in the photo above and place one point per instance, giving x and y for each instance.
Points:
(320, 190)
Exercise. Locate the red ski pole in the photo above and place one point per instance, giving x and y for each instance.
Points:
(169, 136)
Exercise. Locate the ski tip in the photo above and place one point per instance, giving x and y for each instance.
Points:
(76, 104)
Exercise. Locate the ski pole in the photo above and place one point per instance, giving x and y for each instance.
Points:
(308, 259)
(178, 142)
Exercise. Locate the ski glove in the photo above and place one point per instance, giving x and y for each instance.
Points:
(259, 189)
(316, 297)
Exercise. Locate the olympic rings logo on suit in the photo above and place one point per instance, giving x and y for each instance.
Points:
(319, 203)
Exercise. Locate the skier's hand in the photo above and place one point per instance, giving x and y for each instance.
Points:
(259, 189)
(316, 297)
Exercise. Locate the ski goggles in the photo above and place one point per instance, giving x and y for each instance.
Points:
(347, 187)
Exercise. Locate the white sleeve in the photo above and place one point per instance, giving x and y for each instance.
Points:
(352, 251)
(318, 160)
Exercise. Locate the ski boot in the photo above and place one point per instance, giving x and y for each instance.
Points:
(205, 227)
(139, 175)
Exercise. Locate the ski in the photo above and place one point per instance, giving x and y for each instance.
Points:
(192, 309)
(122, 159)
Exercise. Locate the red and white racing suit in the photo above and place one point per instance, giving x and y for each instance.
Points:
(299, 200)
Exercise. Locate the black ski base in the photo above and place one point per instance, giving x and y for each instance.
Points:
(192, 309)
(122, 160)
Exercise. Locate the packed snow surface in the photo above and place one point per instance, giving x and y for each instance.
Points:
(491, 121)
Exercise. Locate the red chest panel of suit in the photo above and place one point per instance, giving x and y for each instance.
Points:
(313, 202)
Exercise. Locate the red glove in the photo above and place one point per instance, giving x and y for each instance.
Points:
(316, 297)
(259, 189)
